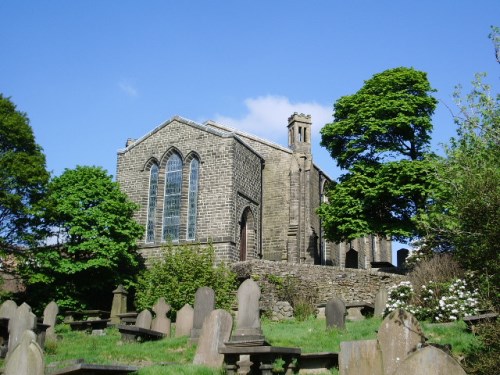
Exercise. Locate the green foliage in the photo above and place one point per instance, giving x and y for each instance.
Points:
(464, 216)
(381, 135)
(23, 176)
(180, 272)
(92, 223)
(482, 359)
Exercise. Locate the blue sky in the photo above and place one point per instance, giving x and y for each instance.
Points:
(92, 73)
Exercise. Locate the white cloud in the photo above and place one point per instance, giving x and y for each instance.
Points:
(128, 89)
(267, 117)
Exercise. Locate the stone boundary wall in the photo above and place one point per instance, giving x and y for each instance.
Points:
(326, 282)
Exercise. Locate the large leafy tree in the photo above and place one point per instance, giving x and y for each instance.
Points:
(381, 136)
(23, 176)
(90, 226)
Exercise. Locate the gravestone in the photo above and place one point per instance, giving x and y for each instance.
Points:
(8, 309)
(380, 301)
(23, 320)
(161, 323)
(216, 330)
(119, 304)
(335, 313)
(26, 358)
(248, 320)
(50, 318)
(398, 336)
(184, 321)
(204, 304)
(429, 361)
(144, 319)
(360, 358)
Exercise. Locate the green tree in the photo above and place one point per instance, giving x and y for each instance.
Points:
(23, 176)
(381, 135)
(465, 213)
(90, 221)
(180, 272)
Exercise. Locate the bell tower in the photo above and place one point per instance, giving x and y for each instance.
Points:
(299, 133)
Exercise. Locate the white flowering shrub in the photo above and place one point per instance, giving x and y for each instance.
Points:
(438, 302)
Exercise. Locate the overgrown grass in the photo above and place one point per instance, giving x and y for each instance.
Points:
(175, 355)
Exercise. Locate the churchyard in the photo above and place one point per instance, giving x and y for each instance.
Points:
(206, 340)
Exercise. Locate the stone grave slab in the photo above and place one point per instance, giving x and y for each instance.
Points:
(23, 320)
(204, 304)
(119, 304)
(381, 301)
(248, 321)
(335, 313)
(360, 357)
(184, 321)
(160, 322)
(429, 361)
(26, 358)
(50, 319)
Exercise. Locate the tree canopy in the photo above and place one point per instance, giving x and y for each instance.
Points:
(23, 176)
(92, 240)
(381, 135)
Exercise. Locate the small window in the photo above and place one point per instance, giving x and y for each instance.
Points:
(153, 193)
(172, 205)
(194, 168)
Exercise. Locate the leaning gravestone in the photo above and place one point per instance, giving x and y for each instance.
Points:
(398, 336)
(23, 320)
(360, 358)
(119, 304)
(161, 323)
(184, 321)
(216, 330)
(49, 318)
(26, 358)
(144, 319)
(335, 313)
(248, 321)
(380, 301)
(8, 309)
(204, 304)
(429, 361)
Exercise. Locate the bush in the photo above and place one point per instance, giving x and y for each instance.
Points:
(180, 272)
(484, 361)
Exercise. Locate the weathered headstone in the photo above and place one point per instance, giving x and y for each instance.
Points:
(23, 320)
(216, 330)
(49, 318)
(248, 320)
(161, 323)
(26, 358)
(360, 358)
(380, 301)
(398, 336)
(429, 361)
(144, 319)
(119, 304)
(8, 309)
(204, 304)
(335, 313)
(184, 321)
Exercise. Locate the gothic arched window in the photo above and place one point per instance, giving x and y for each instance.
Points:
(194, 168)
(153, 193)
(172, 205)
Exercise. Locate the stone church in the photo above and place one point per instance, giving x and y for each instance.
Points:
(250, 197)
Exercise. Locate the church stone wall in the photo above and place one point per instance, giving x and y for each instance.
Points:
(327, 282)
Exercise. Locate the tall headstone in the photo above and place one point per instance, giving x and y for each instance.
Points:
(23, 320)
(216, 330)
(50, 318)
(119, 304)
(184, 321)
(160, 322)
(335, 313)
(248, 320)
(398, 336)
(360, 358)
(429, 361)
(204, 304)
(26, 358)
(380, 301)
(144, 319)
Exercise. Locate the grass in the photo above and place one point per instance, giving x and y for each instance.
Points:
(175, 355)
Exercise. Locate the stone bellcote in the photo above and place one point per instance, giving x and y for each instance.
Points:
(299, 133)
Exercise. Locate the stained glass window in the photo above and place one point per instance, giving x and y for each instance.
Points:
(172, 205)
(153, 192)
(193, 198)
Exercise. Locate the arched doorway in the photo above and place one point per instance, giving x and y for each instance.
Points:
(247, 235)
